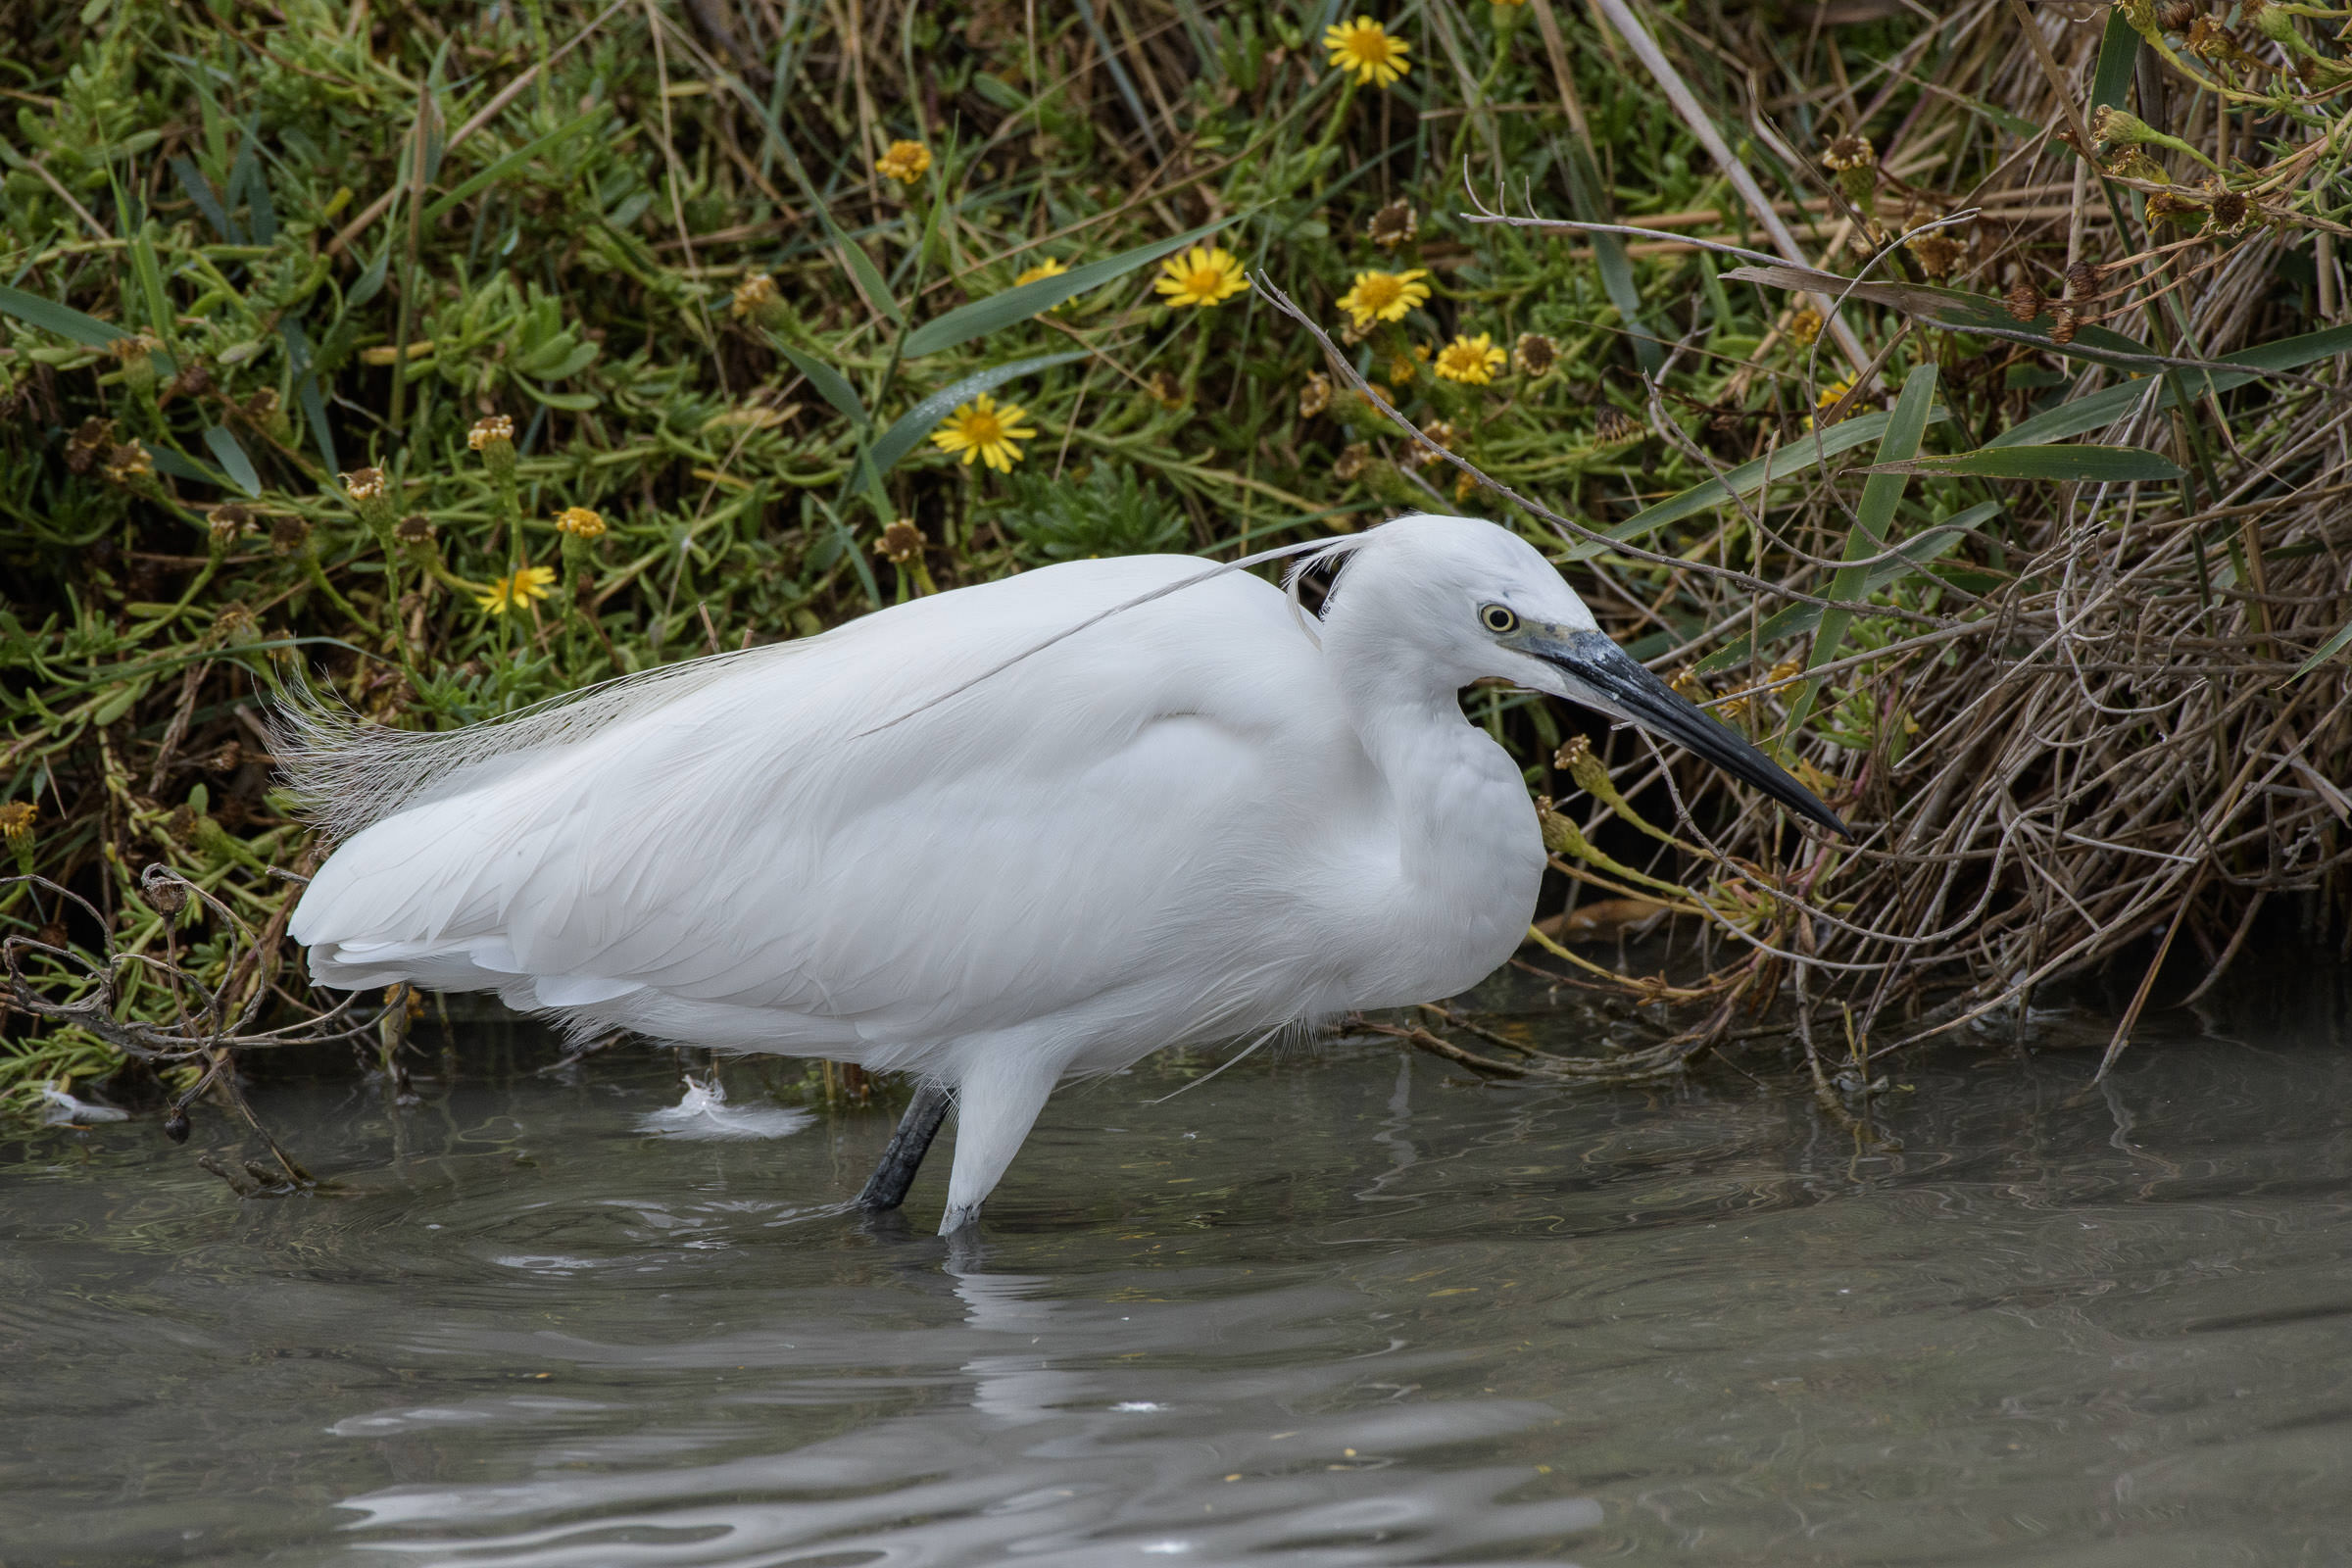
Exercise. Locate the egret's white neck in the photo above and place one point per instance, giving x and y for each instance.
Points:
(1459, 800)
(1455, 901)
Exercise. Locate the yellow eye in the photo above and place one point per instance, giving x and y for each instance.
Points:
(1499, 620)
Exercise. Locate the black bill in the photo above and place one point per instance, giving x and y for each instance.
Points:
(1603, 677)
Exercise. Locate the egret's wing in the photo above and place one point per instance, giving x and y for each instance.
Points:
(756, 844)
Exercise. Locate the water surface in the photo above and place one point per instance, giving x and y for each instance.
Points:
(1340, 1309)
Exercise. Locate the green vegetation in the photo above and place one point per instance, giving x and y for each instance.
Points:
(469, 355)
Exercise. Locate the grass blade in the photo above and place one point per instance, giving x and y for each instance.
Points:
(2327, 650)
(830, 384)
(1873, 523)
(200, 192)
(248, 183)
(63, 319)
(2119, 57)
(998, 310)
(916, 422)
(483, 178)
(307, 390)
(1790, 461)
(1956, 311)
(233, 458)
(2055, 463)
(1914, 553)
(149, 270)
(165, 461)
(2102, 409)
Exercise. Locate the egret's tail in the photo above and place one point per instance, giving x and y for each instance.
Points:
(346, 774)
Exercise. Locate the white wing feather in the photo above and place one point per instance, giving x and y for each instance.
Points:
(737, 858)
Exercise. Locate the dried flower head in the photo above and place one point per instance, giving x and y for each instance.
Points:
(1612, 426)
(1687, 685)
(1353, 462)
(1442, 435)
(2062, 330)
(2210, 40)
(235, 624)
(903, 162)
(529, 583)
(1534, 353)
(1365, 50)
(2174, 16)
(88, 443)
(1402, 368)
(2275, 22)
(1385, 295)
(128, 461)
(2231, 210)
(363, 484)
(987, 431)
(1203, 276)
(1393, 224)
(1166, 390)
(2082, 280)
(1850, 152)
(581, 522)
(288, 534)
(1787, 670)
(493, 428)
(1938, 254)
(1315, 395)
(902, 542)
(1470, 360)
(2025, 302)
(1804, 325)
(413, 529)
(1465, 486)
(227, 522)
(755, 300)
(2130, 162)
(15, 820)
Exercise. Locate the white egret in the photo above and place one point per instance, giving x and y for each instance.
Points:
(958, 840)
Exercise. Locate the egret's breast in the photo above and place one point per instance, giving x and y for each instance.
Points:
(1463, 887)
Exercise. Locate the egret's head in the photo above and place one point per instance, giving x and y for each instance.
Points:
(1482, 602)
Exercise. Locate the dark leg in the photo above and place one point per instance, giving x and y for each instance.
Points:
(887, 1187)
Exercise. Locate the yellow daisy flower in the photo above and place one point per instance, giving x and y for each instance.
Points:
(1048, 267)
(514, 593)
(986, 429)
(1204, 275)
(1473, 360)
(1829, 398)
(905, 162)
(1363, 46)
(1385, 295)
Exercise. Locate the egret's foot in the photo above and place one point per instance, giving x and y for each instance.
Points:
(960, 1220)
(886, 1188)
